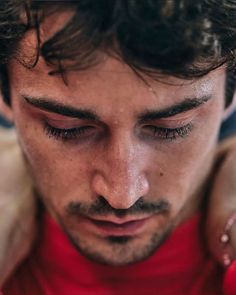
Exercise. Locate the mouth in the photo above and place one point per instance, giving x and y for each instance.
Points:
(119, 228)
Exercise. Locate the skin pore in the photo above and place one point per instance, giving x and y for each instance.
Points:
(117, 165)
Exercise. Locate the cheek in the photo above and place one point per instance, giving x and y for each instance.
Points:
(183, 167)
(59, 176)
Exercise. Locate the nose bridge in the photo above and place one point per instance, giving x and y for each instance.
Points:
(121, 156)
(122, 180)
(123, 159)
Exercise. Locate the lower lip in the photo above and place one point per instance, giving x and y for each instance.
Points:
(125, 229)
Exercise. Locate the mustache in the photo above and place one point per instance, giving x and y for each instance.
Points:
(102, 207)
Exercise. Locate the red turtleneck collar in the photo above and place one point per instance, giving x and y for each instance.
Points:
(180, 267)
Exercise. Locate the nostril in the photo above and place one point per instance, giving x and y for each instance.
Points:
(119, 191)
(102, 206)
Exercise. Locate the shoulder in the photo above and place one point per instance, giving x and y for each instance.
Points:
(17, 205)
(9, 148)
(7, 139)
(12, 164)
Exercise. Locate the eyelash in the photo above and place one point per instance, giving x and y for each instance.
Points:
(171, 133)
(65, 134)
(161, 133)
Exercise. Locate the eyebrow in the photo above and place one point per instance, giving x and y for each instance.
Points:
(61, 109)
(184, 106)
(64, 110)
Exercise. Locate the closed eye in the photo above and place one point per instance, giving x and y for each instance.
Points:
(165, 133)
(69, 134)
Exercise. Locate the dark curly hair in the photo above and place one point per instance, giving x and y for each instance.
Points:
(183, 38)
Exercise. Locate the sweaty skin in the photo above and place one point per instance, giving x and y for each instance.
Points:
(117, 165)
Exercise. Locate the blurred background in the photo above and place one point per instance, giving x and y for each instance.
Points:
(228, 127)
(4, 122)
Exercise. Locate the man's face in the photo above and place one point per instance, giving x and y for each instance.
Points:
(119, 164)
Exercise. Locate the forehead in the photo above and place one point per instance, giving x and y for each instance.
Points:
(110, 80)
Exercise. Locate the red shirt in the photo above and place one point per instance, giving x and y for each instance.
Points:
(180, 267)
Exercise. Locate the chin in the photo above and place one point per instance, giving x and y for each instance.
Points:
(119, 250)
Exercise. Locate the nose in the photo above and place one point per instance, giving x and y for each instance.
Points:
(119, 176)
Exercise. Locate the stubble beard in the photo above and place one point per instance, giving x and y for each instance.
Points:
(118, 251)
